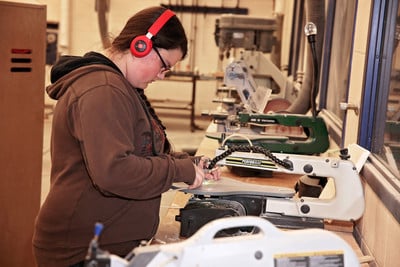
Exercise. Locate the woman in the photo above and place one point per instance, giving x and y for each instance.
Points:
(111, 160)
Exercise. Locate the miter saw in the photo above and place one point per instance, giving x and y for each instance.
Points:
(265, 246)
(283, 206)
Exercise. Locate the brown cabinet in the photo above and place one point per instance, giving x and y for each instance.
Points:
(22, 75)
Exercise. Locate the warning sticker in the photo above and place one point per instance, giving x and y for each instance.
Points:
(310, 259)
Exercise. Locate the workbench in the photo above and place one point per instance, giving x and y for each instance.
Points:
(168, 231)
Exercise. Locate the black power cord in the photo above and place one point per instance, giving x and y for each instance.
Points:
(248, 148)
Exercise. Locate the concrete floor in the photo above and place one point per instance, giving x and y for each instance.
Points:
(178, 131)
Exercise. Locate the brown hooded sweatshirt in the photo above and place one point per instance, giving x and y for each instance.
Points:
(108, 164)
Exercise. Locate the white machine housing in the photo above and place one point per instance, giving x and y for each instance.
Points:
(347, 204)
(267, 247)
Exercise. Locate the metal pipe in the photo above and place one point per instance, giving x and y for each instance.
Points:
(314, 12)
(64, 30)
(102, 7)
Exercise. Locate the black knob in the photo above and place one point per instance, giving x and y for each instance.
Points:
(308, 168)
(305, 209)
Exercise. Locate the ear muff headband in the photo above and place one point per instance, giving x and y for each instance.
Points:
(141, 45)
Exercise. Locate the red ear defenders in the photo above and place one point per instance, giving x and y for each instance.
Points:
(141, 45)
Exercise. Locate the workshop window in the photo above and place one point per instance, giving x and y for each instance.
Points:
(391, 138)
(381, 105)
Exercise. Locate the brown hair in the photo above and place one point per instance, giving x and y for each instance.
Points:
(171, 35)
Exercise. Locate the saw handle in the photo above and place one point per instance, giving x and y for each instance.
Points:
(207, 233)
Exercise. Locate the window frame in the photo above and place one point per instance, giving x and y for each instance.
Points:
(374, 102)
(378, 70)
(374, 105)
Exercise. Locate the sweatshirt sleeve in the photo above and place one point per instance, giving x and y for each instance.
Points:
(109, 124)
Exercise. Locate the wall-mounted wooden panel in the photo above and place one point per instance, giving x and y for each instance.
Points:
(22, 74)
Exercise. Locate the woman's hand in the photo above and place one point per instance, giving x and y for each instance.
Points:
(213, 174)
(203, 173)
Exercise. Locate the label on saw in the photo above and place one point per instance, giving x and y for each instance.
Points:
(251, 162)
(310, 259)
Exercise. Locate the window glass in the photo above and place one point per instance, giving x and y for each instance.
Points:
(391, 139)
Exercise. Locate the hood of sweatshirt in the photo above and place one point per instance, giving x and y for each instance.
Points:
(64, 67)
